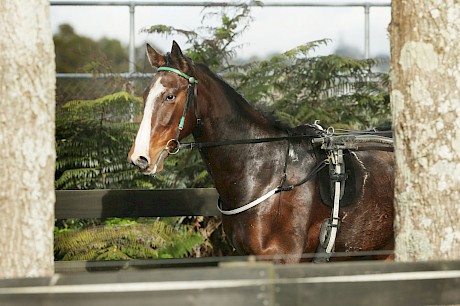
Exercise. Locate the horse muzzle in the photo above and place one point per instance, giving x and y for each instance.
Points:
(144, 163)
(141, 162)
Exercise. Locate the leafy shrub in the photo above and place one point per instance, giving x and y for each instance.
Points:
(92, 142)
(126, 240)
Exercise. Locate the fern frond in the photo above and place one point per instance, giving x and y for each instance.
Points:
(126, 241)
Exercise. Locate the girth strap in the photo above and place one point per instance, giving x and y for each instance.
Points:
(330, 227)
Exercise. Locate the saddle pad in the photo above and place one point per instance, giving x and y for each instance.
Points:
(353, 183)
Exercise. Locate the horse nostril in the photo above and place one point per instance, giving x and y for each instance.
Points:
(142, 162)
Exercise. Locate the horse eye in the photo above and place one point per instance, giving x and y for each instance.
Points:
(170, 97)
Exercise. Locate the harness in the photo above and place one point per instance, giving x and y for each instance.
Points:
(332, 143)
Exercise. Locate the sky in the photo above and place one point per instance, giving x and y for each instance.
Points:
(272, 30)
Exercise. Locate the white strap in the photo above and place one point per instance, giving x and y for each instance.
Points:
(335, 218)
(249, 205)
(337, 159)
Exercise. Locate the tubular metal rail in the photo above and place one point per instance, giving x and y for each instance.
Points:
(136, 3)
(350, 141)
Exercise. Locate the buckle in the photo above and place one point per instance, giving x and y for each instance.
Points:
(174, 144)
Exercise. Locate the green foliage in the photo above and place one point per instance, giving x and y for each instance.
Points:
(92, 141)
(126, 239)
(184, 170)
(214, 46)
(76, 53)
(301, 88)
(296, 86)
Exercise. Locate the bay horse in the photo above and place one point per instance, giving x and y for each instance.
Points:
(184, 98)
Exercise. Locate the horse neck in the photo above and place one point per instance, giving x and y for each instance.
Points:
(236, 169)
(226, 114)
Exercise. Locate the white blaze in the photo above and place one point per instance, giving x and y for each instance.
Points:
(142, 143)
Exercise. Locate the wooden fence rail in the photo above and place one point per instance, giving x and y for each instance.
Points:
(211, 281)
(361, 283)
(136, 203)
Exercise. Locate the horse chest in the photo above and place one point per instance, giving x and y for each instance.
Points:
(268, 233)
(248, 235)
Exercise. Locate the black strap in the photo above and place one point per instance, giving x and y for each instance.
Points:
(190, 98)
(284, 177)
(312, 174)
(315, 170)
(195, 106)
(201, 145)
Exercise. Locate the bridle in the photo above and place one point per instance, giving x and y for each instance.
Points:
(173, 145)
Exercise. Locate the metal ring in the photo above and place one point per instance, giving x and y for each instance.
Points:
(175, 150)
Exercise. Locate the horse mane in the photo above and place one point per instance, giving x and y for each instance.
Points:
(270, 116)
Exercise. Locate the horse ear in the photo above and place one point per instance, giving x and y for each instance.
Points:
(155, 58)
(178, 58)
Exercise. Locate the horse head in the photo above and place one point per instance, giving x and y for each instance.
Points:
(167, 116)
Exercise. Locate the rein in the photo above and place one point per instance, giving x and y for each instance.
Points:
(210, 144)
